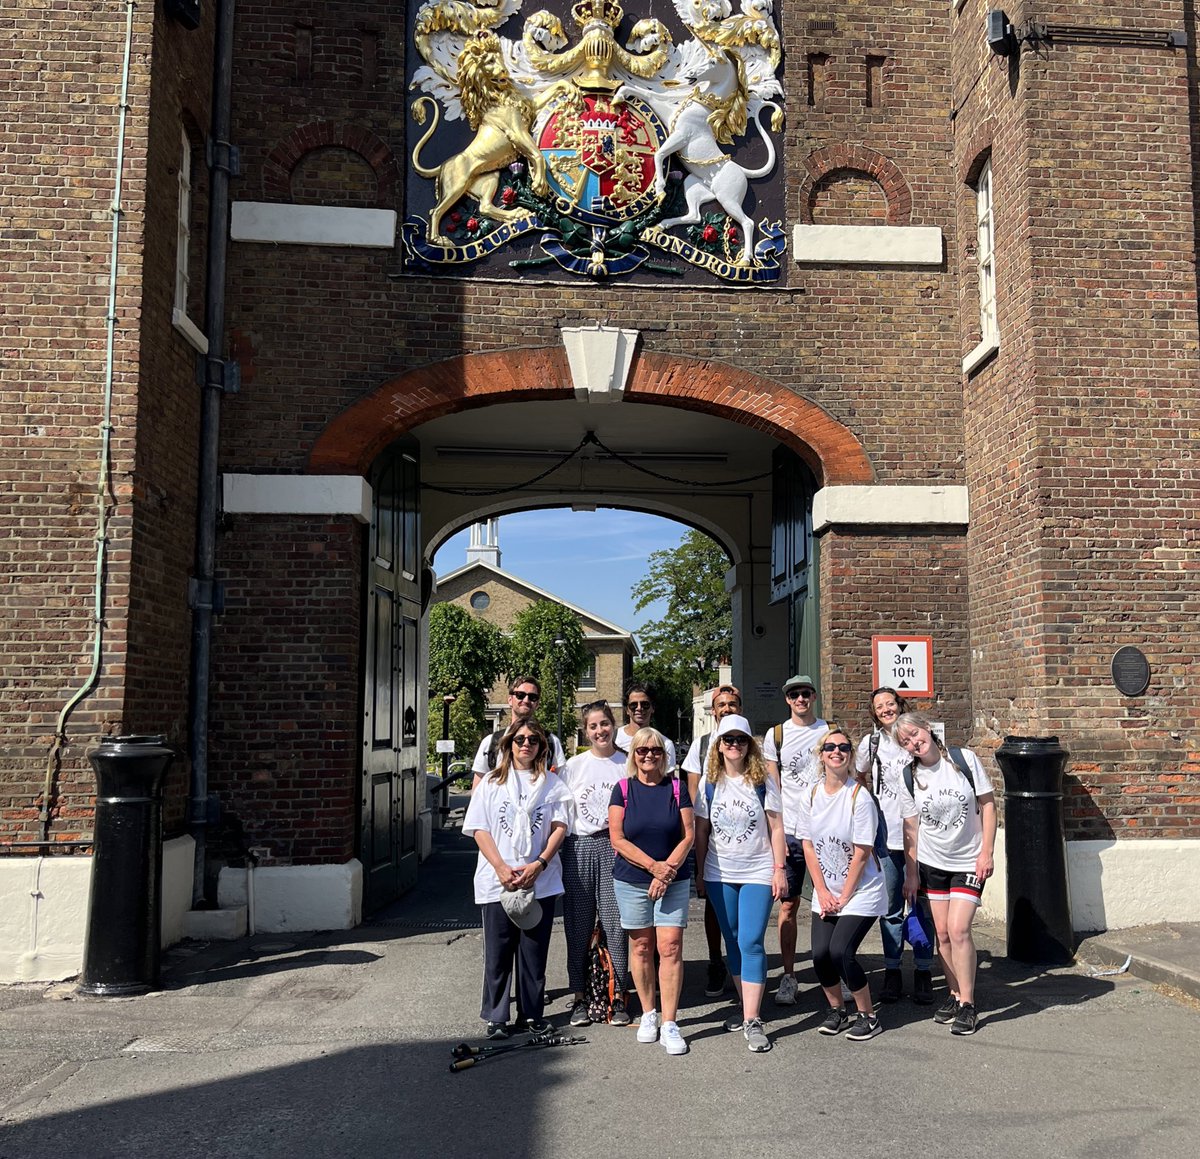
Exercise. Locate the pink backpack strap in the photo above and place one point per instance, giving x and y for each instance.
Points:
(675, 786)
(623, 785)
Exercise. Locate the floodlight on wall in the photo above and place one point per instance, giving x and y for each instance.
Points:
(1001, 36)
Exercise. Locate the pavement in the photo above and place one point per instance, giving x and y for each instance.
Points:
(298, 1045)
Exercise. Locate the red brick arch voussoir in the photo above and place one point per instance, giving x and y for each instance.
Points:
(354, 438)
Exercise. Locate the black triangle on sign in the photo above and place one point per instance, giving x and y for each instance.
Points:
(903, 683)
(901, 647)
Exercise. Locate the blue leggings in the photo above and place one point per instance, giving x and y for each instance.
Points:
(742, 913)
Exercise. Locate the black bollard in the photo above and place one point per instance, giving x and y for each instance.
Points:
(121, 951)
(1039, 896)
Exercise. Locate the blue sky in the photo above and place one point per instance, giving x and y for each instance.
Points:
(591, 558)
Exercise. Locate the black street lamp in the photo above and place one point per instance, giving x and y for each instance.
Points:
(559, 645)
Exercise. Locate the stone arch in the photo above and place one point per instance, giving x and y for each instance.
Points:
(857, 159)
(283, 159)
(352, 441)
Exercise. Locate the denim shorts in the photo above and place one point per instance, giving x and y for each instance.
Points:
(638, 912)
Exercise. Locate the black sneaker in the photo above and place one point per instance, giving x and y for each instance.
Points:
(835, 1021)
(948, 1010)
(718, 977)
(965, 1021)
(893, 986)
(619, 1015)
(736, 1020)
(540, 1026)
(922, 993)
(579, 1014)
(865, 1026)
(497, 1030)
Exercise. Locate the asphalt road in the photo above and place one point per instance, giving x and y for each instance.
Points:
(339, 1044)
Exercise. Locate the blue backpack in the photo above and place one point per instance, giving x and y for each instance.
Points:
(710, 788)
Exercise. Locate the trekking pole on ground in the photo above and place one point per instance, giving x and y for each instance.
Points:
(467, 1056)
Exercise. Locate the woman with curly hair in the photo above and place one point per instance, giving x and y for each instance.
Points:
(740, 856)
(952, 858)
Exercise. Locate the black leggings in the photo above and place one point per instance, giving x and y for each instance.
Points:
(835, 942)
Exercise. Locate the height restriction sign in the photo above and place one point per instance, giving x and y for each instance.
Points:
(904, 663)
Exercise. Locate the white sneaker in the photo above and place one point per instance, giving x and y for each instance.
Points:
(671, 1039)
(647, 1030)
(788, 988)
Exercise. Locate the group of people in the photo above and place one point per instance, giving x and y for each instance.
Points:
(898, 823)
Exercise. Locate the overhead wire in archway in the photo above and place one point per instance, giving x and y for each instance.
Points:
(590, 438)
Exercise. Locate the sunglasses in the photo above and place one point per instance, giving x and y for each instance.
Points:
(638, 705)
(648, 751)
(736, 742)
(830, 747)
(799, 694)
(527, 739)
(534, 696)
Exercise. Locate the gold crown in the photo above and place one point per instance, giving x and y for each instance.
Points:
(589, 11)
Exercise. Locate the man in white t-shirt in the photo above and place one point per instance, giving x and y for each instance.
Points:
(524, 694)
(639, 713)
(790, 750)
(727, 700)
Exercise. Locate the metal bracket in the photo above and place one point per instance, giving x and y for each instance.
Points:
(206, 594)
(223, 155)
(223, 373)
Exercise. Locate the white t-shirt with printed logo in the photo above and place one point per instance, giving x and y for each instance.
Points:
(623, 740)
(591, 780)
(492, 809)
(949, 828)
(799, 765)
(835, 824)
(739, 842)
(893, 761)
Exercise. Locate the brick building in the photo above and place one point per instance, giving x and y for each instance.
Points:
(954, 393)
(485, 589)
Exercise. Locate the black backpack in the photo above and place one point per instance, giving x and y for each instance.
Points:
(960, 763)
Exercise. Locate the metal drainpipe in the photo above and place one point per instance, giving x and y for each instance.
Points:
(214, 386)
(103, 480)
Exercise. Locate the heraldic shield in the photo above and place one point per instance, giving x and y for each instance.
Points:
(596, 158)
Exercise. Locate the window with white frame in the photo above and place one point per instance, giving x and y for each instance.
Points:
(588, 679)
(183, 246)
(986, 256)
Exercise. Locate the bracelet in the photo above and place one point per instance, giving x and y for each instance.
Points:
(542, 862)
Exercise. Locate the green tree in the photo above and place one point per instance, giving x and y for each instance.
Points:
(672, 696)
(696, 634)
(466, 654)
(532, 652)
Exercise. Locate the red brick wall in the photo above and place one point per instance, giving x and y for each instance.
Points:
(1081, 435)
(286, 690)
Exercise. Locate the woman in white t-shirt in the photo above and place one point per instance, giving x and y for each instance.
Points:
(838, 820)
(518, 815)
(740, 855)
(881, 762)
(587, 862)
(952, 857)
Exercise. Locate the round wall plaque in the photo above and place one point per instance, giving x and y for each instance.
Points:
(1130, 671)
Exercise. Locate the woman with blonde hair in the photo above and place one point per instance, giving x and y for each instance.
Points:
(740, 856)
(952, 856)
(651, 823)
(518, 815)
(838, 821)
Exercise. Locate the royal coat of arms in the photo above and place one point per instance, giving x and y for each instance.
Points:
(597, 157)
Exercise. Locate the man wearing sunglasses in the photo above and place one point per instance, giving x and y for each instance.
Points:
(790, 752)
(727, 700)
(639, 713)
(524, 695)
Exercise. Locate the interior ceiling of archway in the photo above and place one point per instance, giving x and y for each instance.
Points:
(506, 444)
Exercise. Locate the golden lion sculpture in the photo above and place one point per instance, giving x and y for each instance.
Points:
(501, 118)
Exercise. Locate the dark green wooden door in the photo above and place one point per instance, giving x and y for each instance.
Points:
(392, 772)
